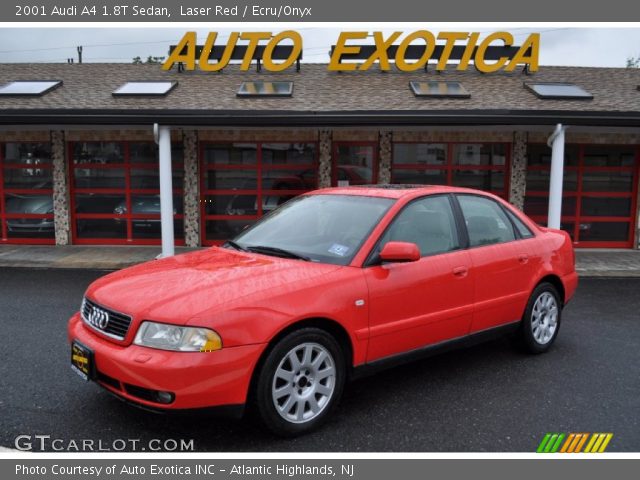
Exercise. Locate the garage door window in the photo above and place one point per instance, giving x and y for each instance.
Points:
(26, 193)
(483, 166)
(241, 182)
(115, 192)
(599, 192)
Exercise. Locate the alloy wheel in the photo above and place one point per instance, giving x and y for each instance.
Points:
(304, 382)
(544, 318)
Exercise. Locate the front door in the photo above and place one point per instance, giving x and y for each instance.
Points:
(424, 302)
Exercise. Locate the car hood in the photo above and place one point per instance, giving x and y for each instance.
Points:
(178, 288)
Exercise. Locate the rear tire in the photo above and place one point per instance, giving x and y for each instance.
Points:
(541, 322)
(300, 382)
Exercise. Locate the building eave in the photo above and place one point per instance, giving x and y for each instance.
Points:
(270, 118)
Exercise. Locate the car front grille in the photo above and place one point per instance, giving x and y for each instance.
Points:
(106, 321)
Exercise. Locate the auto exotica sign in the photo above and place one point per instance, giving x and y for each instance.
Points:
(407, 52)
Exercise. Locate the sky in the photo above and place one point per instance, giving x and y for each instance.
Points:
(570, 46)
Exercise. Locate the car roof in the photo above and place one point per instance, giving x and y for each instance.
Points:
(394, 191)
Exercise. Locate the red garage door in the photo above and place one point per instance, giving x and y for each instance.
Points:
(599, 192)
(26, 193)
(484, 166)
(115, 193)
(243, 181)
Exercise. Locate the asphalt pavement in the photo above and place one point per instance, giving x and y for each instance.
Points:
(486, 398)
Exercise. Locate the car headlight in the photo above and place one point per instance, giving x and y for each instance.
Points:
(120, 210)
(181, 339)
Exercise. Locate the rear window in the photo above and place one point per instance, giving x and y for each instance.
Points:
(486, 221)
(522, 229)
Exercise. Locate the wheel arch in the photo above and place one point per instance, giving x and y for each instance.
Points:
(556, 282)
(330, 326)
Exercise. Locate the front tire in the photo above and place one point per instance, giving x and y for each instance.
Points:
(541, 321)
(300, 382)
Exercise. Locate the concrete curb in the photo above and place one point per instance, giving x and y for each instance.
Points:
(78, 257)
(68, 266)
(609, 274)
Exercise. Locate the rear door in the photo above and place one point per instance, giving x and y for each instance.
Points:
(501, 261)
(424, 302)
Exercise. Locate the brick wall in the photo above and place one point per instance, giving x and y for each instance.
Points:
(443, 136)
(340, 135)
(145, 135)
(594, 138)
(275, 135)
(26, 136)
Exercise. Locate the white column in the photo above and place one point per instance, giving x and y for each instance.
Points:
(163, 138)
(556, 142)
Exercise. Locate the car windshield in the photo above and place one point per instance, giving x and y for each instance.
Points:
(320, 228)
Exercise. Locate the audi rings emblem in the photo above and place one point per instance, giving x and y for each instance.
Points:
(98, 318)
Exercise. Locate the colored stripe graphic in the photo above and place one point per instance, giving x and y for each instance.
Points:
(573, 442)
(581, 443)
(598, 442)
(605, 444)
(543, 443)
(550, 443)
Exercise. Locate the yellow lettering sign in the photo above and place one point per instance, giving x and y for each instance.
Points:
(267, 59)
(189, 60)
(451, 38)
(481, 65)
(527, 54)
(346, 45)
(532, 42)
(430, 42)
(335, 64)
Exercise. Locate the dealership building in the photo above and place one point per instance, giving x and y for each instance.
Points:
(79, 162)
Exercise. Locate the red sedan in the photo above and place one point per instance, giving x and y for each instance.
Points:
(333, 284)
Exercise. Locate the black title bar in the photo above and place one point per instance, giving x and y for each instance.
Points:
(167, 11)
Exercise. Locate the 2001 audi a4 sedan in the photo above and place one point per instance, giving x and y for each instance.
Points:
(332, 284)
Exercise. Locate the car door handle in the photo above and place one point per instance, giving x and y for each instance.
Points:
(460, 271)
(523, 258)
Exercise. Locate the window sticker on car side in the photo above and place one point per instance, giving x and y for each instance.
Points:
(340, 250)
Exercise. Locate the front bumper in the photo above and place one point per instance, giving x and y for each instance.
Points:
(197, 380)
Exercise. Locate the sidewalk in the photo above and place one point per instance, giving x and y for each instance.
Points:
(606, 262)
(78, 256)
(589, 262)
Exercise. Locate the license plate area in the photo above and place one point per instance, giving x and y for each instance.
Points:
(82, 360)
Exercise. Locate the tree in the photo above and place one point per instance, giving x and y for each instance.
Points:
(150, 60)
(633, 62)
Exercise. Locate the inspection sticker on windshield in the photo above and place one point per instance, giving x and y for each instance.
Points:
(340, 250)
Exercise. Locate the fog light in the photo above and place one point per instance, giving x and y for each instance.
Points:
(164, 397)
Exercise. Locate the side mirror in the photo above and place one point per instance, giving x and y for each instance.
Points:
(400, 252)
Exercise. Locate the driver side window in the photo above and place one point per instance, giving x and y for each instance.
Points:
(429, 223)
